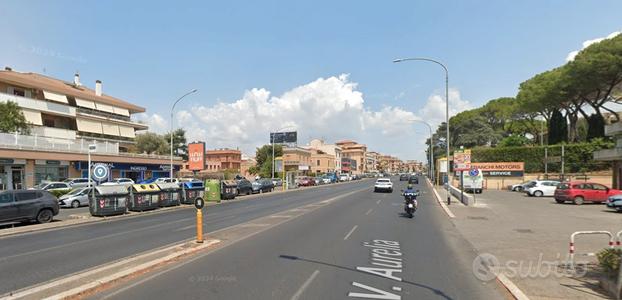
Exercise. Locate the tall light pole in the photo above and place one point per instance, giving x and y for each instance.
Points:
(446, 107)
(172, 109)
(272, 142)
(431, 166)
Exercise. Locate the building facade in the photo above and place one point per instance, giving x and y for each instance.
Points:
(297, 159)
(354, 152)
(372, 161)
(321, 162)
(65, 118)
(330, 149)
(224, 159)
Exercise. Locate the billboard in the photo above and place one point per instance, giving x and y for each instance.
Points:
(501, 169)
(462, 160)
(196, 156)
(284, 137)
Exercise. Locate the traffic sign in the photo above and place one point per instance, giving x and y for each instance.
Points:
(199, 203)
(462, 160)
(473, 172)
(100, 172)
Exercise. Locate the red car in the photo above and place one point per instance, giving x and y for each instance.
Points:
(580, 192)
(306, 181)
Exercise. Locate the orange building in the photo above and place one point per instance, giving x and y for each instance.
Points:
(223, 159)
(321, 162)
(356, 152)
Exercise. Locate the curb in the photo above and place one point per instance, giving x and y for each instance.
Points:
(440, 201)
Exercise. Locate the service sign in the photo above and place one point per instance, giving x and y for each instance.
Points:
(501, 169)
(462, 160)
(196, 156)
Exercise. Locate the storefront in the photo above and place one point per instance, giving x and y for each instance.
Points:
(51, 170)
(137, 172)
(12, 173)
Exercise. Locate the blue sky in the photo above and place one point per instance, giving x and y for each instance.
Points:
(150, 52)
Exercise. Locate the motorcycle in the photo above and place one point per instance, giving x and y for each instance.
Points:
(410, 205)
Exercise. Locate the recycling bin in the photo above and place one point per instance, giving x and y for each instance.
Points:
(144, 197)
(109, 200)
(192, 190)
(212, 190)
(170, 193)
(228, 189)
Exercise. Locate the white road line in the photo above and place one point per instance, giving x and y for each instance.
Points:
(254, 225)
(369, 212)
(350, 233)
(280, 216)
(185, 228)
(305, 285)
(378, 202)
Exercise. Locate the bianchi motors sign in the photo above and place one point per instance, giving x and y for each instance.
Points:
(500, 169)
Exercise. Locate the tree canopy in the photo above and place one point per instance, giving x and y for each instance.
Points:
(13, 119)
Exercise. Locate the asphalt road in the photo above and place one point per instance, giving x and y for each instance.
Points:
(33, 258)
(360, 246)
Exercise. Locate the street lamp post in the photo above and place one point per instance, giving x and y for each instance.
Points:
(431, 166)
(446, 107)
(172, 109)
(272, 142)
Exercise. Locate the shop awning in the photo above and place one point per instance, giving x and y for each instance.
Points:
(85, 103)
(55, 97)
(127, 131)
(32, 116)
(110, 129)
(89, 126)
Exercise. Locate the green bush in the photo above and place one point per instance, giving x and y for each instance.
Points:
(58, 193)
(578, 157)
(609, 260)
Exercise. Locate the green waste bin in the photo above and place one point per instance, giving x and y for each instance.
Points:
(212, 190)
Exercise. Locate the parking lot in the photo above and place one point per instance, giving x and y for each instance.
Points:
(531, 230)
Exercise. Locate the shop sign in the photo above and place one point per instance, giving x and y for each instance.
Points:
(6, 161)
(138, 168)
(501, 169)
(462, 160)
(196, 156)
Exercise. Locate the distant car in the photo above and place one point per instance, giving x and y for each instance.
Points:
(76, 198)
(52, 186)
(539, 188)
(581, 192)
(120, 181)
(327, 179)
(319, 180)
(245, 187)
(615, 202)
(344, 177)
(383, 184)
(413, 180)
(306, 181)
(262, 186)
(77, 182)
(28, 205)
(404, 177)
(277, 181)
(519, 187)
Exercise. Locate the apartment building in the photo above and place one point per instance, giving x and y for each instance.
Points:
(66, 117)
(224, 158)
(330, 149)
(372, 161)
(297, 159)
(354, 152)
(322, 162)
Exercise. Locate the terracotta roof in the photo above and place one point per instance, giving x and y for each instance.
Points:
(38, 81)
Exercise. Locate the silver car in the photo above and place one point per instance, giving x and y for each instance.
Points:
(77, 182)
(76, 198)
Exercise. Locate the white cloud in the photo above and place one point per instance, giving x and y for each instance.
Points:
(330, 108)
(573, 54)
(155, 122)
(434, 110)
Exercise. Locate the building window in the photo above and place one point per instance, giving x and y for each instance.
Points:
(318, 162)
(18, 92)
(50, 173)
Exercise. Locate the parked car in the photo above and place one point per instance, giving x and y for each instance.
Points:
(277, 181)
(344, 177)
(262, 186)
(539, 188)
(245, 187)
(519, 187)
(327, 179)
(332, 176)
(413, 180)
(122, 181)
(306, 181)
(580, 192)
(615, 202)
(76, 198)
(52, 186)
(319, 180)
(404, 177)
(78, 182)
(28, 205)
(383, 184)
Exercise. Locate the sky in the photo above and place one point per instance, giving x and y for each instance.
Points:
(323, 68)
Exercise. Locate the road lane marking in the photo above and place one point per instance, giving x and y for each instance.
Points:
(305, 285)
(280, 216)
(378, 293)
(351, 231)
(254, 225)
(386, 261)
(185, 228)
(378, 202)
(369, 212)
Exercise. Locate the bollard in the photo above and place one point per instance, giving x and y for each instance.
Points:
(199, 226)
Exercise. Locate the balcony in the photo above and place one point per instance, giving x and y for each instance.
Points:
(56, 133)
(40, 105)
(103, 116)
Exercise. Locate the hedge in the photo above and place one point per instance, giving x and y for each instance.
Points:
(578, 157)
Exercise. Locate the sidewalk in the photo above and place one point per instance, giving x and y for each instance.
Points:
(530, 236)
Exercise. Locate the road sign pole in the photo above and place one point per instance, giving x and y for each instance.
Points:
(199, 226)
(462, 186)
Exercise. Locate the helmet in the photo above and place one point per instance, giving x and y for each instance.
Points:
(410, 186)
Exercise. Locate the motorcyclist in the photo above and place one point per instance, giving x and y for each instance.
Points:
(411, 193)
